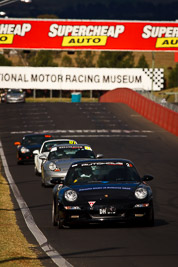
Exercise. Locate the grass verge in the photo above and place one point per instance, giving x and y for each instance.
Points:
(15, 251)
(168, 94)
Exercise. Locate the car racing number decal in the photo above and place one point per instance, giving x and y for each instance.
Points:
(72, 142)
(87, 148)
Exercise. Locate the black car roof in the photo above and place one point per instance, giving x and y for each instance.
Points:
(37, 134)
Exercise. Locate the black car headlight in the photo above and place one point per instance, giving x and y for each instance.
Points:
(70, 195)
(141, 193)
(24, 150)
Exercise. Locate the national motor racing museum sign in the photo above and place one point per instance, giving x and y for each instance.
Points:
(88, 35)
(58, 78)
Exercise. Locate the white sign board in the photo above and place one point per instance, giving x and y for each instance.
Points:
(57, 78)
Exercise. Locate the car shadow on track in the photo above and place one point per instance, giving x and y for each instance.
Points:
(158, 223)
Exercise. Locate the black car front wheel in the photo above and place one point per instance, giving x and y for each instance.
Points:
(54, 219)
(60, 222)
(149, 218)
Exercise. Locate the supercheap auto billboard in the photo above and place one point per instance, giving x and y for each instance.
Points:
(88, 35)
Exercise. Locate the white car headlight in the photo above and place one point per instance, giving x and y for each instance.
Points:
(24, 150)
(52, 166)
(141, 193)
(70, 195)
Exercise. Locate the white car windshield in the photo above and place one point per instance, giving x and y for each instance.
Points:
(48, 145)
(74, 152)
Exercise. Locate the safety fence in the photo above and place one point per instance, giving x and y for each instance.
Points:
(160, 100)
(152, 111)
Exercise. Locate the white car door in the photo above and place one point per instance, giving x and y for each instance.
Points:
(39, 161)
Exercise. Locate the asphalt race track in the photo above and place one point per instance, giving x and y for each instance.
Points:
(116, 131)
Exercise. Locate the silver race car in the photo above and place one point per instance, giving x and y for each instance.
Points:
(15, 96)
(60, 157)
(45, 149)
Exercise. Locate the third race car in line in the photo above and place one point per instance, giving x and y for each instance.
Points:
(45, 149)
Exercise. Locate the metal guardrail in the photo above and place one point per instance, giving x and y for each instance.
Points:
(159, 100)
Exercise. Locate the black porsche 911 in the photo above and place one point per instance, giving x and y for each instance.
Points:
(29, 143)
(107, 190)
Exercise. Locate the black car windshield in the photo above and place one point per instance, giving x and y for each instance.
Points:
(48, 145)
(70, 152)
(114, 172)
(34, 139)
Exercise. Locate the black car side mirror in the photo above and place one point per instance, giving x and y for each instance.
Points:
(147, 177)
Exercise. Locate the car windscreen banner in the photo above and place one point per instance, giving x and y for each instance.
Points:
(67, 78)
(88, 35)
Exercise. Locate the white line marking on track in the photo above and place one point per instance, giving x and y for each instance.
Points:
(39, 236)
(85, 131)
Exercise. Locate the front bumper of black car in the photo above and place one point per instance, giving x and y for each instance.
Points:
(25, 157)
(72, 215)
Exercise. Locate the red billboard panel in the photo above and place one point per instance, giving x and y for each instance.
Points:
(88, 35)
(176, 56)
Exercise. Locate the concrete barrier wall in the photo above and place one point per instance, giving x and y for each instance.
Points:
(152, 111)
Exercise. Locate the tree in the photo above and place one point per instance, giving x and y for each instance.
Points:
(142, 63)
(116, 60)
(85, 59)
(42, 59)
(173, 77)
(66, 61)
(4, 61)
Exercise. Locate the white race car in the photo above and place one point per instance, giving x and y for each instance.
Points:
(45, 149)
